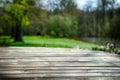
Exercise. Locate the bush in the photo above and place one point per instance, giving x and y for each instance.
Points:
(95, 48)
(62, 26)
(4, 41)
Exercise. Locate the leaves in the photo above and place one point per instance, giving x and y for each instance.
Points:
(18, 11)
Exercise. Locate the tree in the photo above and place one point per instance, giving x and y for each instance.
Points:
(5, 18)
(31, 2)
(114, 32)
(63, 6)
(19, 15)
(104, 13)
(68, 6)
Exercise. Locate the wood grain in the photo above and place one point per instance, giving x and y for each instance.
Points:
(57, 64)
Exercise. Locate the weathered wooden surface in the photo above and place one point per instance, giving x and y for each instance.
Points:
(57, 64)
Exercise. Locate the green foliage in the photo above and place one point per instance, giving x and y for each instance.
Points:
(38, 21)
(5, 19)
(62, 26)
(14, 17)
(19, 12)
(19, 15)
(4, 41)
(61, 19)
(31, 2)
(114, 31)
(69, 6)
(5, 24)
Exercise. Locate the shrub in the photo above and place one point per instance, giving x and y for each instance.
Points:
(4, 41)
(62, 26)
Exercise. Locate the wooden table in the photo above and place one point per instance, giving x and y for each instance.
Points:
(35, 63)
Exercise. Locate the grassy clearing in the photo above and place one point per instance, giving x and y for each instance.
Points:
(38, 41)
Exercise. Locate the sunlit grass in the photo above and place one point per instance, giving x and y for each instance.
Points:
(38, 41)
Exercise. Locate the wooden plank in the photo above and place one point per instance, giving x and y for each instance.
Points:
(56, 71)
(62, 75)
(45, 50)
(58, 68)
(62, 64)
(2, 55)
(46, 62)
(65, 78)
(59, 60)
(53, 61)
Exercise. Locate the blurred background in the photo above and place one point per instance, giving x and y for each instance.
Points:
(95, 21)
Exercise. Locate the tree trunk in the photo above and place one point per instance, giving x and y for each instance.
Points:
(13, 32)
(18, 33)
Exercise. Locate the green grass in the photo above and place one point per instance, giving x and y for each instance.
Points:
(38, 41)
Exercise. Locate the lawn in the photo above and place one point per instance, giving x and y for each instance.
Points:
(38, 41)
